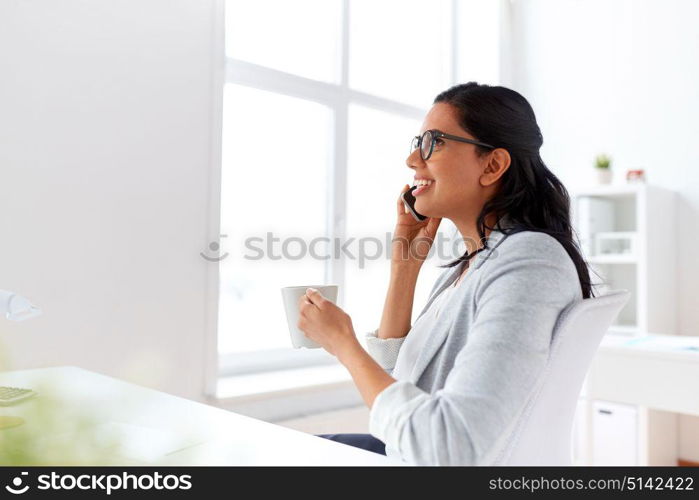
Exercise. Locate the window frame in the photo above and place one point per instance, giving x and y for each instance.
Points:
(337, 97)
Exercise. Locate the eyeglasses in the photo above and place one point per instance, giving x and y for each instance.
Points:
(426, 142)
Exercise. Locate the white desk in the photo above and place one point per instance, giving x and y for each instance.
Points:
(155, 428)
(655, 378)
(647, 374)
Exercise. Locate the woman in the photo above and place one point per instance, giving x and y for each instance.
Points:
(445, 390)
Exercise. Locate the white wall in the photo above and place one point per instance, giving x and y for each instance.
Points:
(105, 126)
(620, 77)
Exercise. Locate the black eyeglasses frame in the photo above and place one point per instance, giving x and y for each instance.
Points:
(437, 134)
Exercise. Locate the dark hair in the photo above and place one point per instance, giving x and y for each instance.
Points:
(530, 195)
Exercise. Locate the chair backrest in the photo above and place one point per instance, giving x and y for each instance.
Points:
(542, 435)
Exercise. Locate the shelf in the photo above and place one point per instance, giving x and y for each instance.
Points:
(610, 190)
(628, 235)
(613, 259)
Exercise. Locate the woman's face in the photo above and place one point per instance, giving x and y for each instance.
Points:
(461, 183)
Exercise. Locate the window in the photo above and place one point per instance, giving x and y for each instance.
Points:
(321, 99)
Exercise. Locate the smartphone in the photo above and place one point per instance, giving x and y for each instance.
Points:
(409, 201)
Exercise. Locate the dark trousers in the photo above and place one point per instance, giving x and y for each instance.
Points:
(364, 441)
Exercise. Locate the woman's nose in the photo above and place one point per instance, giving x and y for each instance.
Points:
(414, 160)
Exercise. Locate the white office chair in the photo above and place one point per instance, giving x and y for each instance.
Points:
(543, 433)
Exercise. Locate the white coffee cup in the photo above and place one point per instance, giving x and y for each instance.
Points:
(291, 295)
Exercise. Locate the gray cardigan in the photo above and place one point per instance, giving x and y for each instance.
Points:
(479, 366)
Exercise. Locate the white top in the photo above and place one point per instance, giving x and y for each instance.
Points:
(420, 332)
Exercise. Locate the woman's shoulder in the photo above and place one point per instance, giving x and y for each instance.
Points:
(532, 241)
(531, 245)
(536, 261)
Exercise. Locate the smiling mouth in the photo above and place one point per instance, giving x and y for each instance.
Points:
(422, 186)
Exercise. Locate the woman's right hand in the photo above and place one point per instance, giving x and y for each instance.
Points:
(412, 239)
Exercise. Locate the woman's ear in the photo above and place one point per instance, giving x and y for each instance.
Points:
(497, 163)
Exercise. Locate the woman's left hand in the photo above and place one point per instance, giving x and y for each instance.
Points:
(325, 323)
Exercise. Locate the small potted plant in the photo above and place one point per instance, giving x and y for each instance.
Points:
(603, 166)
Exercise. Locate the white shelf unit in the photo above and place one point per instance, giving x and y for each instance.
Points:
(627, 235)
